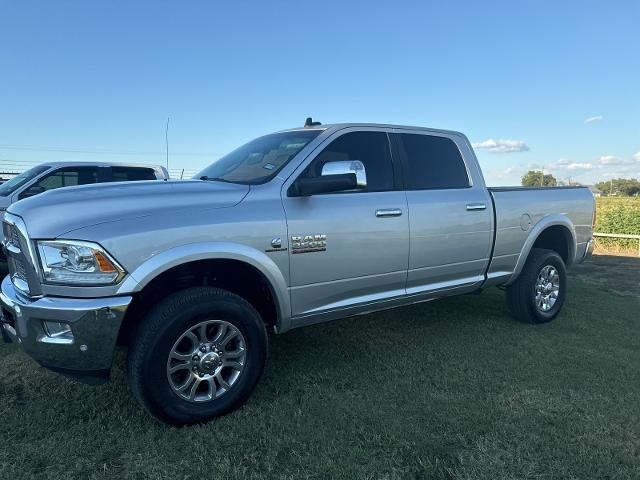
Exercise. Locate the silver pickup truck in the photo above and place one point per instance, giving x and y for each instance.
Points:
(296, 227)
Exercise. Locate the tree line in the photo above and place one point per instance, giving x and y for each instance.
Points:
(622, 187)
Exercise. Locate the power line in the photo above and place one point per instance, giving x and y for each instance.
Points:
(40, 148)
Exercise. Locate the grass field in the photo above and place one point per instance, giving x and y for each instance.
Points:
(451, 389)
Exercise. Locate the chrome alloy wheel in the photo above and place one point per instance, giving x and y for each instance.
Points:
(547, 288)
(206, 361)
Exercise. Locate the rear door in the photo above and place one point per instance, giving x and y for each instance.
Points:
(450, 215)
(359, 239)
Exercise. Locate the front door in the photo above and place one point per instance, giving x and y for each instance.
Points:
(349, 249)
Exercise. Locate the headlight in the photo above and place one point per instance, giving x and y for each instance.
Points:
(72, 262)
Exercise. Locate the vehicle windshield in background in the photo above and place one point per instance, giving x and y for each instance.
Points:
(7, 188)
(259, 160)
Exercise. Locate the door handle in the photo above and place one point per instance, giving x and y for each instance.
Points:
(388, 212)
(476, 206)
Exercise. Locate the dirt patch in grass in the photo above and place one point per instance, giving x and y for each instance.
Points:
(615, 273)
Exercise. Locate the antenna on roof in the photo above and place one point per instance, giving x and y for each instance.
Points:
(310, 123)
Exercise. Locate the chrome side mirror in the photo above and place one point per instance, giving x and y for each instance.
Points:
(345, 167)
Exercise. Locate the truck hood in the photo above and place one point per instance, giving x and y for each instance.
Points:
(60, 211)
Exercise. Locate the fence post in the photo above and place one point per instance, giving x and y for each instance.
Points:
(619, 235)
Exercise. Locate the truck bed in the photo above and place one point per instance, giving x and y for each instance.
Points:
(520, 211)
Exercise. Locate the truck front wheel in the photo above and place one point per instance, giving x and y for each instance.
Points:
(198, 354)
(538, 293)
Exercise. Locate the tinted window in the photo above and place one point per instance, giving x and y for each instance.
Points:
(371, 148)
(131, 174)
(259, 160)
(433, 163)
(69, 177)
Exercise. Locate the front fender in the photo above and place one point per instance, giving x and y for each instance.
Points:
(544, 223)
(182, 254)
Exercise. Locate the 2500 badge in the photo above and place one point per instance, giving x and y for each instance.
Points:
(308, 243)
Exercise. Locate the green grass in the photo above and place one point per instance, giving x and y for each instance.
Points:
(450, 389)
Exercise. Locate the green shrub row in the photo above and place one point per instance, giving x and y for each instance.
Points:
(618, 215)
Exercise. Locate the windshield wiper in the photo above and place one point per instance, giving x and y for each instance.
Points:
(215, 179)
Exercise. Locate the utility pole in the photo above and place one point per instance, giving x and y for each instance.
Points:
(542, 177)
(611, 187)
(166, 142)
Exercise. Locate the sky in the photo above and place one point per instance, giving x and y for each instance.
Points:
(533, 84)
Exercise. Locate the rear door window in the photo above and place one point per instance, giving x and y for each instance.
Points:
(132, 174)
(432, 163)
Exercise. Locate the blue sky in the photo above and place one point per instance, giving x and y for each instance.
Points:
(97, 80)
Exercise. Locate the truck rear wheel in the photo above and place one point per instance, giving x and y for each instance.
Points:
(198, 354)
(538, 293)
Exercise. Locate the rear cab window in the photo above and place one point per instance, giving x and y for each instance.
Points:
(132, 174)
(432, 162)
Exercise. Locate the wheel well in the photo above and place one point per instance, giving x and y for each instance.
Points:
(556, 238)
(232, 275)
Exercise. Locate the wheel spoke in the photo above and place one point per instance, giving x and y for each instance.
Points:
(184, 386)
(194, 339)
(234, 365)
(180, 366)
(234, 353)
(223, 383)
(202, 332)
(229, 336)
(194, 388)
(185, 357)
(213, 388)
(221, 333)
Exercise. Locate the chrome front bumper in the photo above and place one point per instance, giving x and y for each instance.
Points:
(94, 325)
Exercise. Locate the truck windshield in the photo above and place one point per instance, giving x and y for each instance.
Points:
(7, 188)
(259, 160)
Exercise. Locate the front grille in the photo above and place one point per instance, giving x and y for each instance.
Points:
(14, 238)
(19, 267)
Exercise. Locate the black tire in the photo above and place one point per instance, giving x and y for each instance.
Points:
(521, 295)
(163, 326)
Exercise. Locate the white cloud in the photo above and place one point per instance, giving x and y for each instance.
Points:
(579, 166)
(596, 118)
(600, 162)
(502, 146)
(605, 166)
(609, 160)
(511, 169)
